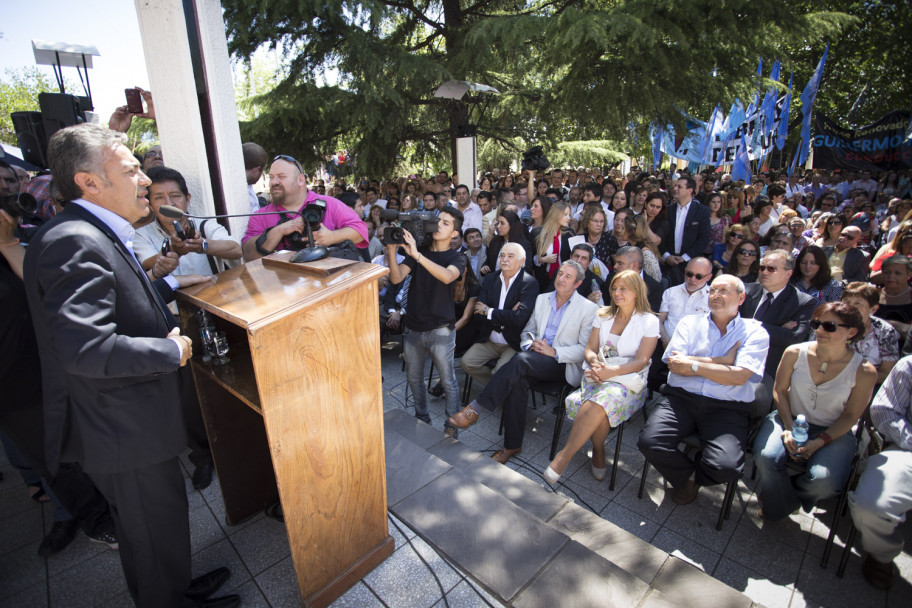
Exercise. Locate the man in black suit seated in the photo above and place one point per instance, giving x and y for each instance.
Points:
(689, 227)
(112, 403)
(505, 303)
(784, 311)
(631, 258)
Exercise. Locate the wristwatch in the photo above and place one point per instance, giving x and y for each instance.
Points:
(694, 367)
(205, 246)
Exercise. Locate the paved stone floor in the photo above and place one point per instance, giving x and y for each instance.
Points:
(773, 564)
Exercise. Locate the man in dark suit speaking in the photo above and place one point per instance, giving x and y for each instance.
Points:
(689, 229)
(110, 352)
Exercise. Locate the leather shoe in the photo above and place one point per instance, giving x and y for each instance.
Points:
(226, 601)
(62, 534)
(203, 586)
(464, 419)
(503, 455)
(685, 494)
(202, 476)
(877, 573)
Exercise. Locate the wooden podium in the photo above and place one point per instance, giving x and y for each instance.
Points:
(304, 360)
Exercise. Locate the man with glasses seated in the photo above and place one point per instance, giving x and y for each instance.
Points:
(784, 311)
(289, 192)
(847, 262)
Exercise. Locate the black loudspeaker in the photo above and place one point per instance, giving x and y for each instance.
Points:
(466, 130)
(31, 137)
(59, 110)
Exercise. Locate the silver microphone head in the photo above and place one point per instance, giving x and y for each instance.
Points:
(172, 212)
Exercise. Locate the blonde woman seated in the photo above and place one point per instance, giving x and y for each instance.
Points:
(618, 353)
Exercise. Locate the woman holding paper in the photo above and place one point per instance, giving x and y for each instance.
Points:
(618, 353)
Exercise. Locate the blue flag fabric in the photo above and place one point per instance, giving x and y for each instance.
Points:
(768, 107)
(713, 128)
(657, 135)
(807, 106)
(741, 167)
(783, 124)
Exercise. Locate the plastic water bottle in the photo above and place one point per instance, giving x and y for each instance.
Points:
(800, 430)
(595, 287)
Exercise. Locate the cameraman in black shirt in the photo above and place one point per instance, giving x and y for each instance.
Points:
(429, 324)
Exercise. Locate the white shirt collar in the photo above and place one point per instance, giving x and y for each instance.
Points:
(121, 228)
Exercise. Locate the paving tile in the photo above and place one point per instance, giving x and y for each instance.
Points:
(120, 600)
(772, 559)
(821, 588)
(630, 521)
(21, 529)
(613, 543)
(14, 498)
(421, 434)
(217, 505)
(218, 555)
(578, 577)
(465, 595)
(656, 504)
(754, 585)
(279, 584)
(524, 493)
(502, 545)
(690, 586)
(697, 521)
(793, 530)
(448, 576)
(386, 581)
(583, 478)
(408, 467)
(75, 553)
(455, 452)
(395, 523)
(657, 599)
(595, 501)
(91, 582)
(686, 549)
(476, 442)
(261, 545)
(252, 597)
(35, 596)
(20, 570)
(358, 596)
(204, 529)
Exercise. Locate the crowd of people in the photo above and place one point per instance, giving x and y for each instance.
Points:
(745, 305)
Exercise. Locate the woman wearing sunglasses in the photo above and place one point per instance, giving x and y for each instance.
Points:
(813, 277)
(830, 234)
(744, 264)
(723, 252)
(830, 384)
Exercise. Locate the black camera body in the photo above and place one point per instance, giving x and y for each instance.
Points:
(19, 204)
(313, 218)
(534, 159)
(421, 224)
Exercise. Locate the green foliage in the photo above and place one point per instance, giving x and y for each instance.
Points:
(142, 135)
(361, 75)
(19, 91)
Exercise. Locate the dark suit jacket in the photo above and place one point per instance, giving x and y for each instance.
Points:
(791, 305)
(654, 290)
(696, 233)
(111, 383)
(856, 266)
(507, 321)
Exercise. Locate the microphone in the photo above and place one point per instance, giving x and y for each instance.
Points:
(177, 214)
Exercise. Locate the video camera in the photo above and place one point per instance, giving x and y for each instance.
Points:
(534, 159)
(313, 218)
(19, 204)
(421, 224)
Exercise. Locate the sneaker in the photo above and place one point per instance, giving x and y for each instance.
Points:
(105, 538)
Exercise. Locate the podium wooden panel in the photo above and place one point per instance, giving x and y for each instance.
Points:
(297, 413)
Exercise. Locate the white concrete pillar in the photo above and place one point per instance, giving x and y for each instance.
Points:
(166, 45)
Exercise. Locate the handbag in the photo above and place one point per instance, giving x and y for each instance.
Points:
(633, 381)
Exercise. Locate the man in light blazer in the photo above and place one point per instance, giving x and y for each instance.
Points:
(110, 356)
(561, 323)
(688, 233)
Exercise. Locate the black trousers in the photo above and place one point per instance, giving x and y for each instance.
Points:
(510, 386)
(151, 516)
(722, 427)
(197, 440)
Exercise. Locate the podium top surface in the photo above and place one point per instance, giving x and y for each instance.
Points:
(257, 294)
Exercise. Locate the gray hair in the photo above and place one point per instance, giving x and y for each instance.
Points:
(785, 256)
(78, 149)
(517, 249)
(577, 267)
(898, 260)
(738, 283)
(629, 251)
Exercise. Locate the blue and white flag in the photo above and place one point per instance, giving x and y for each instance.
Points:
(741, 168)
(713, 128)
(783, 120)
(768, 107)
(807, 106)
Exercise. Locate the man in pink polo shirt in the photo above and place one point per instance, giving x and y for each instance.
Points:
(288, 188)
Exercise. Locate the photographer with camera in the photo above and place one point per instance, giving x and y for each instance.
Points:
(429, 328)
(289, 192)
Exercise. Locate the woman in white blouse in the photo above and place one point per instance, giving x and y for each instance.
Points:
(624, 335)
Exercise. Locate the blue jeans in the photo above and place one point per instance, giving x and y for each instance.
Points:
(825, 473)
(440, 344)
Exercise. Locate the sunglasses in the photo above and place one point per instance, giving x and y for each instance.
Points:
(749, 253)
(835, 222)
(736, 235)
(828, 326)
(289, 159)
(693, 275)
(765, 268)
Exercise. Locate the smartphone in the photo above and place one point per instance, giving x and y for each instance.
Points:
(191, 229)
(134, 101)
(179, 230)
(166, 247)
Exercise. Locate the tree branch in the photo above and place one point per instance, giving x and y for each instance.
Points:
(410, 7)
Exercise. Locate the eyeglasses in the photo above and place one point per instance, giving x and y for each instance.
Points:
(693, 275)
(749, 253)
(736, 235)
(835, 222)
(828, 326)
(765, 268)
(289, 159)
(152, 153)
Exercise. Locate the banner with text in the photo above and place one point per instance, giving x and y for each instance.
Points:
(885, 145)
